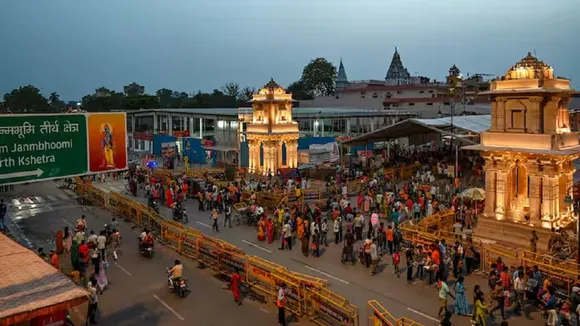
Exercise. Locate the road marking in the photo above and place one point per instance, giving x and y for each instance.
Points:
(51, 198)
(422, 314)
(64, 197)
(168, 307)
(67, 223)
(204, 224)
(264, 310)
(123, 269)
(326, 274)
(39, 199)
(251, 244)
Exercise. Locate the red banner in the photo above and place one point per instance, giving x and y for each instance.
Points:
(143, 136)
(57, 318)
(180, 133)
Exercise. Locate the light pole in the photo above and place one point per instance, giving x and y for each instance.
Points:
(453, 81)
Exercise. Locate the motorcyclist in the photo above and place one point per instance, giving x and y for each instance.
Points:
(146, 240)
(151, 202)
(175, 273)
(177, 210)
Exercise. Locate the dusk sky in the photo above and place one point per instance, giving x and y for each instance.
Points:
(73, 47)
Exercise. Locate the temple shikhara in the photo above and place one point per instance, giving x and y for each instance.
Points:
(272, 135)
(529, 148)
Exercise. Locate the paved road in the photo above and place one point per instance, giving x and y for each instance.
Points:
(416, 301)
(137, 293)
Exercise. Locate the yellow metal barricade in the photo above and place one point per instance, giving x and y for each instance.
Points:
(563, 272)
(231, 261)
(189, 244)
(325, 307)
(209, 253)
(259, 276)
(379, 316)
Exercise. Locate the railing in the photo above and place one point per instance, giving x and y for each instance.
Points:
(566, 272)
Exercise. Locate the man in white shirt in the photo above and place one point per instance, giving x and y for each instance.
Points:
(101, 245)
(519, 289)
(93, 302)
(287, 233)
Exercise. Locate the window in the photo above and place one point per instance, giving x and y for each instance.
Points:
(421, 92)
(518, 119)
(430, 104)
(398, 92)
(430, 91)
(411, 104)
(388, 95)
(375, 95)
(445, 103)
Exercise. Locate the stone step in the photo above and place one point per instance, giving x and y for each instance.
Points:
(510, 234)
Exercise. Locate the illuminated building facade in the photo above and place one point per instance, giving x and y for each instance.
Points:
(529, 148)
(272, 132)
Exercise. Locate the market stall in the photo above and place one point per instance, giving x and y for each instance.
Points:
(33, 292)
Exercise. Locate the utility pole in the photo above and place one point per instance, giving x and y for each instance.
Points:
(453, 142)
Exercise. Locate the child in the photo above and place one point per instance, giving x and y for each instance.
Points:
(396, 261)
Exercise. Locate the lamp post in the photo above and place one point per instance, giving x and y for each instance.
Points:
(454, 82)
(569, 201)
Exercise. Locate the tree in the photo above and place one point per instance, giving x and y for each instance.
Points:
(246, 93)
(298, 92)
(319, 77)
(136, 102)
(231, 89)
(165, 97)
(26, 99)
(55, 103)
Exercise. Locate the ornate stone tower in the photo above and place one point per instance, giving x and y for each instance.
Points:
(272, 130)
(397, 73)
(341, 80)
(529, 148)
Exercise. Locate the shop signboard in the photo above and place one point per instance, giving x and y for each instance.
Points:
(50, 146)
(180, 133)
(168, 149)
(143, 136)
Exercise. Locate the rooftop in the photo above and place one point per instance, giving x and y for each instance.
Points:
(474, 124)
(314, 112)
(34, 288)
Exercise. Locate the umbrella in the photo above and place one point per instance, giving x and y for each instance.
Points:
(474, 193)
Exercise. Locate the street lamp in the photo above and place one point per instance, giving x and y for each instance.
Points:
(569, 201)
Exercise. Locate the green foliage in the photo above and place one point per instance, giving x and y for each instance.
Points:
(26, 99)
(298, 92)
(318, 78)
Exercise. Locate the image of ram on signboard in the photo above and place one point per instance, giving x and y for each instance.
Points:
(51, 146)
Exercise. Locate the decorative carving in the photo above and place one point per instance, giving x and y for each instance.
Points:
(535, 99)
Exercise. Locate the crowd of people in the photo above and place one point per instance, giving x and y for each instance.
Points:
(82, 253)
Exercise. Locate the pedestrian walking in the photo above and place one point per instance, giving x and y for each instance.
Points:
(228, 219)
(396, 262)
(214, 218)
(93, 303)
(281, 304)
(236, 281)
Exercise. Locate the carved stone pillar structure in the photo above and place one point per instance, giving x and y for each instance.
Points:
(500, 118)
(533, 118)
(502, 192)
(251, 154)
(551, 200)
(490, 193)
(535, 198)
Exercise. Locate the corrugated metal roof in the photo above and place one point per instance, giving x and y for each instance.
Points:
(473, 123)
(298, 112)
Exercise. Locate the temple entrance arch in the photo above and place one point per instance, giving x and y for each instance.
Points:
(518, 181)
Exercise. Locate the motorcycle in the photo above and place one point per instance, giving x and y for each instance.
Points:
(178, 285)
(179, 213)
(146, 251)
(153, 205)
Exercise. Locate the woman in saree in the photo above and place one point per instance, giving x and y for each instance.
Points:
(261, 230)
(270, 230)
(101, 277)
(168, 197)
(359, 200)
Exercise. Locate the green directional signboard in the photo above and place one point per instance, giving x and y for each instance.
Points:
(41, 147)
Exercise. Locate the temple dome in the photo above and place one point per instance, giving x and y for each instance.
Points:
(530, 68)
